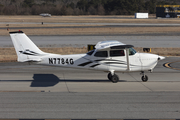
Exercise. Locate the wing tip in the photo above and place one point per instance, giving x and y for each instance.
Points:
(16, 32)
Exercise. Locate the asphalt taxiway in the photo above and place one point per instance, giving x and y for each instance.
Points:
(128, 105)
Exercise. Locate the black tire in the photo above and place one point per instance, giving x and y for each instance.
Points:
(144, 78)
(114, 78)
(109, 76)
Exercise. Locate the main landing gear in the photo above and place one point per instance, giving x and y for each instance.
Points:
(144, 78)
(114, 78)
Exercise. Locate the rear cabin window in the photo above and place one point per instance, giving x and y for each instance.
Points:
(101, 54)
(114, 53)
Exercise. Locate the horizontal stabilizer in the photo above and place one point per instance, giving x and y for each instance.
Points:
(33, 60)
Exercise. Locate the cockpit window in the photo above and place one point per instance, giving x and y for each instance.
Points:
(114, 53)
(90, 52)
(132, 51)
(101, 54)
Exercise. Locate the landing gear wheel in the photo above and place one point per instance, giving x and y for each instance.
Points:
(114, 78)
(109, 76)
(144, 78)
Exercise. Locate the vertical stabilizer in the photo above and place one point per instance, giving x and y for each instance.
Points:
(26, 50)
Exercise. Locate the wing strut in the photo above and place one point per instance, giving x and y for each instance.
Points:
(127, 58)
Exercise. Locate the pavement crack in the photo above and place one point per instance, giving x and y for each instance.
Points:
(66, 83)
(141, 83)
(146, 87)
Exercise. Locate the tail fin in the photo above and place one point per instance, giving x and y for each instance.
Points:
(26, 50)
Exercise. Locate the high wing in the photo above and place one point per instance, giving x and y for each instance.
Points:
(111, 45)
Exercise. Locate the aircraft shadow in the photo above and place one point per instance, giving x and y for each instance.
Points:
(44, 80)
(49, 80)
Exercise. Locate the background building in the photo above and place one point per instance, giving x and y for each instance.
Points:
(168, 11)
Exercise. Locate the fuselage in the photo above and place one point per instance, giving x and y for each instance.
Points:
(98, 61)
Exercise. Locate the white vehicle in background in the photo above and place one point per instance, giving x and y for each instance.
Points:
(141, 15)
(45, 14)
(108, 56)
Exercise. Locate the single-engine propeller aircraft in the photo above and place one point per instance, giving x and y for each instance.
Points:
(108, 56)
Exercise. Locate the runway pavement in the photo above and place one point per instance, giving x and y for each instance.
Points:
(97, 25)
(128, 105)
(80, 41)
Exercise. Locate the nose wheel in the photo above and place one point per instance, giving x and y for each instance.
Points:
(114, 78)
(144, 78)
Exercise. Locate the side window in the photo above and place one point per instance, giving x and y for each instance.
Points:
(101, 54)
(114, 53)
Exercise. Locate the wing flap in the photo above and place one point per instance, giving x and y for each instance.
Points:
(122, 47)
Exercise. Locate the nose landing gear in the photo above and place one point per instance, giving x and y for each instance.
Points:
(144, 78)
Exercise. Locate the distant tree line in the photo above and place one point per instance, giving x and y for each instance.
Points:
(81, 7)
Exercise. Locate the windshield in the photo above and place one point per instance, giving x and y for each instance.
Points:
(90, 52)
(132, 51)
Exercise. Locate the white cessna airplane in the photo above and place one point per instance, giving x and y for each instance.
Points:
(109, 56)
